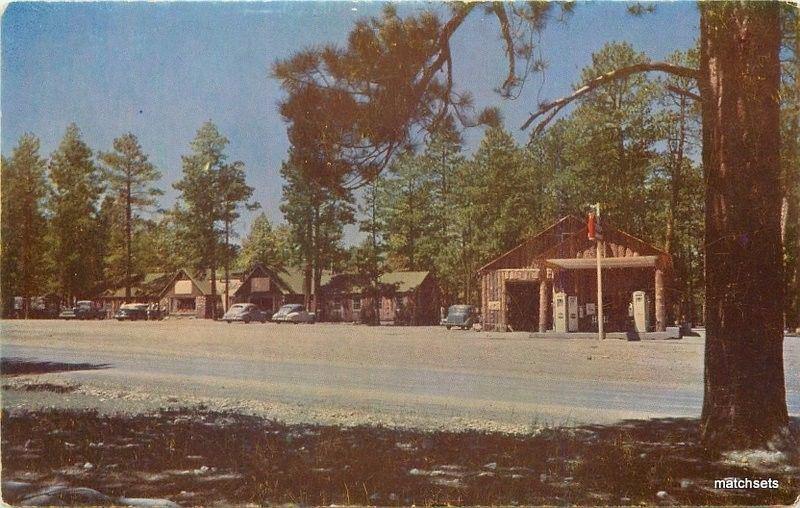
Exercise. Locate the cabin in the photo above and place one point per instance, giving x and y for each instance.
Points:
(549, 282)
(407, 298)
(146, 289)
(188, 294)
(269, 289)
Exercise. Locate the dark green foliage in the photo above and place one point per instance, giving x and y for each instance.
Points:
(316, 217)
(129, 176)
(76, 188)
(266, 245)
(212, 191)
(392, 80)
(23, 223)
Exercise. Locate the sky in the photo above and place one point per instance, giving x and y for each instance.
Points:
(161, 69)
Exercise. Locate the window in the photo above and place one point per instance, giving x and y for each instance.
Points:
(356, 303)
(185, 304)
(259, 285)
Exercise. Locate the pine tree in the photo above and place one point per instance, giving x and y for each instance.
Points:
(266, 245)
(316, 218)
(612, 158)
(23, 198)
(200, 210)
(233, 193)
(76, 188)
(408, 207)
(129, 174)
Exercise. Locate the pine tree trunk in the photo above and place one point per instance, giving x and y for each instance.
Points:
(792, 157)
(745, 399)
(676, 180)
(212, 306)
(308, 269)
(318, 304)
(227, 264)
(128, 235)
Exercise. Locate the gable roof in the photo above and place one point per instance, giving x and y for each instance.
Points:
(399, 282)
(151, 284)
(553, 239)
(289, 280)
(404, 281)
(259, 268)
(293, 278)
(174, 278)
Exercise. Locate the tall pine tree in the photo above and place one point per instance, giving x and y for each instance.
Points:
(76, 188)
(23, 248)
(199, 212)
(130, 176)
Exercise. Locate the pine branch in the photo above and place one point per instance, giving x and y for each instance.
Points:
(683, 91)
(550, 109)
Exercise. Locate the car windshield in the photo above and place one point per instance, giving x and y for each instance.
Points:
(291, 308)
(84, 303)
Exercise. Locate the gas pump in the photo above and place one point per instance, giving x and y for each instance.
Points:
(572, 313)
(560, 312)
(641, 311)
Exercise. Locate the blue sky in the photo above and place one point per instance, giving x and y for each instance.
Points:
(160, 70)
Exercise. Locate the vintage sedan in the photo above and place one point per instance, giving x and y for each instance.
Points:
(461, 316)
(83, 309)
(293, 313)
(132, 312)
(245, 312)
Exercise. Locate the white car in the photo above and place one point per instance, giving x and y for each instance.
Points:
(293, 313)
(245, 312)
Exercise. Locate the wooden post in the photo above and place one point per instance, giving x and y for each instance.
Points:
(601, 333)
(543, 297)
(661, 304)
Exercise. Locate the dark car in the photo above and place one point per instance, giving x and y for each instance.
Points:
(132, 312)
(461, 316)
(155, 314)
(245, 312)
(84, 309)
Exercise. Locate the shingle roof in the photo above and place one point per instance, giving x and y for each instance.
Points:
(403, 281)
(292, 278)
(151, 284)
(400, 282)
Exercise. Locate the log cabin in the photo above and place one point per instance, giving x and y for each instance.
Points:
(519, 289)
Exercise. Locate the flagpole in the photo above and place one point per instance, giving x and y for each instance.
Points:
(601, 334)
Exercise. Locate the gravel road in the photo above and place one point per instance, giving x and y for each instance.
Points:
(422, 377)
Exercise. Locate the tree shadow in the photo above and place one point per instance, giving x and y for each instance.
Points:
(200, 457)
(15, 366)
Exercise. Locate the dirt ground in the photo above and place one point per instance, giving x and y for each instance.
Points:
(410, 377)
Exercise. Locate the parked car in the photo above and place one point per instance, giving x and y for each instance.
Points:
(84, 309)
(461, 316)
(131, 312)
(155, 314)
(40, 307)
(293, 313)
(245, 312)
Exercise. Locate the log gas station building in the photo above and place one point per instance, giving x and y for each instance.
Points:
(549, 283)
